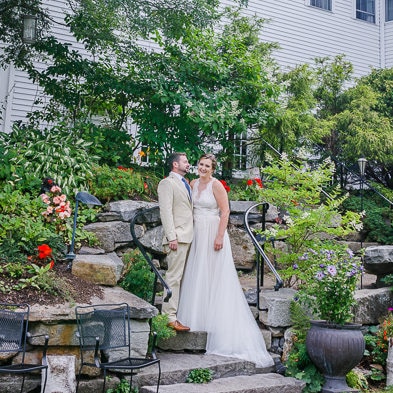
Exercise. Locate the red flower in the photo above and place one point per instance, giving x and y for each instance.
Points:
(145, 185)
(51, 264)
(259, 182)
(224, 183)
(44, 251)
(249, 182)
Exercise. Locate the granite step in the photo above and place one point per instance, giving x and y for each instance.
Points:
(175, 367)
(257, 383)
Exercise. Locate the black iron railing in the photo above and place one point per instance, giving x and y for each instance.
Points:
(258, 242)
(158, 277)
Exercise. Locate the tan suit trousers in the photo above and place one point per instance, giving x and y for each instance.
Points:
(176, 264)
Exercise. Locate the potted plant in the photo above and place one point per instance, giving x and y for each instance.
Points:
(334, 344)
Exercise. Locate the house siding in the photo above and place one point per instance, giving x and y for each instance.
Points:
(302, 32)
(388, 44)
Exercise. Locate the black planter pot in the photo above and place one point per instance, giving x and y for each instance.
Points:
(335, 350)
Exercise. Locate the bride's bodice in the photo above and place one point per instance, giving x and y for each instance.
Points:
(203, 201)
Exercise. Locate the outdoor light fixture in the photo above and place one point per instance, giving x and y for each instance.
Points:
(362, 165)
(88, 199)
(362, 168)
(29, 34)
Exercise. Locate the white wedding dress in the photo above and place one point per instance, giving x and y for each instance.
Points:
(211, 297)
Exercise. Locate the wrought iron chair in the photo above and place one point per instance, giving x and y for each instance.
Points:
(14, 320)
(106, 329)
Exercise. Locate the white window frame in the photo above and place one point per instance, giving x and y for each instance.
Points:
(326, 5)
(240, 156)
(362, 13)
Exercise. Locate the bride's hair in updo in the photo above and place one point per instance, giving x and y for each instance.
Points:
(211, 157)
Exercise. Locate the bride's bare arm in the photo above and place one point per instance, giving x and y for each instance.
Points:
(223, 204)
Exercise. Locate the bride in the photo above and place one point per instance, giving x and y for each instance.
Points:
(211, 297)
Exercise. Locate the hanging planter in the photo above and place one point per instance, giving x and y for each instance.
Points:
(335, 350)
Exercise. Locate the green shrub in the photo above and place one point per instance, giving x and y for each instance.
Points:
(378, 218)
(123, 387)
(304, 214)
(159, 324)
(23, 227)
(137, 276)
(300, 366)
(57, 153)
(200, 375)
(109, 184)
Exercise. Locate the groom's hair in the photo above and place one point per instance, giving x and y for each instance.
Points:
(174, 157)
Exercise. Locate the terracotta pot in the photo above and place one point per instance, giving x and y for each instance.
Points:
(335, 350)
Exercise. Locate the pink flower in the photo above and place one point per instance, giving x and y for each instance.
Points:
(45, 198)
(55, 189)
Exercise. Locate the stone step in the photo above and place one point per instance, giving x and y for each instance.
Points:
(196, 341)
(257, 383)
(184, 341)
(176, 366)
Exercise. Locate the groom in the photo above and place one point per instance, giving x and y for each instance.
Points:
(174, 199)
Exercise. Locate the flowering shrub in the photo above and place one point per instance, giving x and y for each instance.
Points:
(329, 283)
(33, 274)
(247, 190)
(305, 215)
(225, 184)
(57, 207)
(385, 331)
(112, 184)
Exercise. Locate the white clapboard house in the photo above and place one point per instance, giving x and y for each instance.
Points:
(304, 29)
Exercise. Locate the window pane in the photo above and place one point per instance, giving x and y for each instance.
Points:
(325, 4)
(389, 10)
(365, 10)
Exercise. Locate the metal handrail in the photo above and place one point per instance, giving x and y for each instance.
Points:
(261, 252)
(145, 254)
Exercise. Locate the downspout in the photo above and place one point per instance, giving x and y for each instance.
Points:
(382, 43)
(9, 76)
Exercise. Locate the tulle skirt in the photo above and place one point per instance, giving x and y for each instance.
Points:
(212, 299)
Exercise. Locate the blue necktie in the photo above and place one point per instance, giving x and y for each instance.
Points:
(187, 186)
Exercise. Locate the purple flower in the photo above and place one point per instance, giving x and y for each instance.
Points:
(332, 270)
(350, 253)
(295, 266)
(322, 265)
(319, 276)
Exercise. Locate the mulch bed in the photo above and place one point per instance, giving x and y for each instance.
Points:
(69, 288)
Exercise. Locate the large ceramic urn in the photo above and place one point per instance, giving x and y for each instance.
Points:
(335, 350)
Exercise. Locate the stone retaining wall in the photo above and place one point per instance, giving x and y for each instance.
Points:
(104, 266)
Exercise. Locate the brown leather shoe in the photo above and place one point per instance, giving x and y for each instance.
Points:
(178, 326)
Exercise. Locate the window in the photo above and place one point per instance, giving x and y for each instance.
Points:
(324, 4)
(389, 10)
(240, 152)
(365, 10)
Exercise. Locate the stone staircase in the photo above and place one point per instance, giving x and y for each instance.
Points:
(230, 375)
(184, 352)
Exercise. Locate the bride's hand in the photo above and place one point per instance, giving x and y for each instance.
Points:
(218, 243)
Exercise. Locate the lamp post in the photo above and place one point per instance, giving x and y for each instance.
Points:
(29, 33)
(88, 199)
(362, 167)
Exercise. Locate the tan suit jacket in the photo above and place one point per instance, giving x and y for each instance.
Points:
(175, 210)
